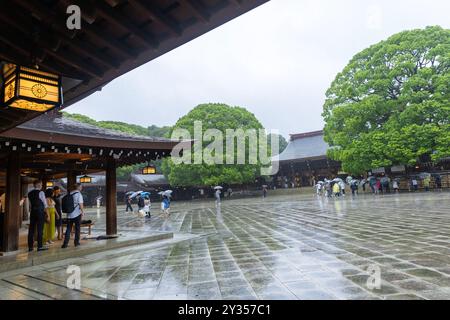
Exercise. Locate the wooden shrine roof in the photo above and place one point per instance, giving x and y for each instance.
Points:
(116, 36)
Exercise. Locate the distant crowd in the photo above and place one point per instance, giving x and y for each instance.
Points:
(376, 184)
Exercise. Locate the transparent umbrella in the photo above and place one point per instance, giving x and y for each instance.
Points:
(135, 194)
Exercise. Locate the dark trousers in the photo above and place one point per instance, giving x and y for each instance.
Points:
(77, 222)
(129, 207)
(1, 230)
(37, 219)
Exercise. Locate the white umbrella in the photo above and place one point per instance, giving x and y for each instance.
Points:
(338, 180)
(135, 194)
(161, 192)
(218, 187)
(167, 193)
(320, 182)
(423, 175)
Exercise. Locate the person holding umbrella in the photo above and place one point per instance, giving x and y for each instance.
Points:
(426, 182)
(166, 202)
(337, 189)
(395, 185)
(147, 204)
(217, 194)
(328, 188)
(372, 183)
(438, 181)
(319, 185)
(264, 188)
(128, 201)
(161, 194)
(354, 186)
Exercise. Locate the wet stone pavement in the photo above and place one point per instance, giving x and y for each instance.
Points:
(283, 247)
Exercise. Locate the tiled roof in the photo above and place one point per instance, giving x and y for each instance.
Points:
(305, 146)
(149, 179)
(53, 122)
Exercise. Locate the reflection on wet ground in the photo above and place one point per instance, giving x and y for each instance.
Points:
(284, 247)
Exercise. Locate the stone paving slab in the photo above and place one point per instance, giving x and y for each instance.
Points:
(55, 253)
(286, 247)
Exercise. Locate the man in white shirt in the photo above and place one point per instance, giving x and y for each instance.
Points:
(415, 184)
(74, 217)
(38, 210)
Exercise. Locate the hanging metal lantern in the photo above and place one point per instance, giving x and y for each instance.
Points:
(85, 179)
(30, 89)
(50, 184)
(149, 169)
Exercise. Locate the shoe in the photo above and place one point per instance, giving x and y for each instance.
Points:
(77, 244)
(64, 246)
(42, 249)
(30, 249)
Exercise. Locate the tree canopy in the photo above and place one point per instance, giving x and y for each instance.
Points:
(123, 173)
(220, 117)
(152, 130)
(391, 103)
(282, 143)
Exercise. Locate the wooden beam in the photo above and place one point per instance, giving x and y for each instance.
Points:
(57, 21)
(156, 14)
(12, 114)
(15, 17)
(199, 10)
(9, 31)
(13, 212)
(236, 3)
(114, 16)
(111, 197)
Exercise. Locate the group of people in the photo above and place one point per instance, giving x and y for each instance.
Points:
(330, 188)
(381, 184)
(46, 210)
(144, 204)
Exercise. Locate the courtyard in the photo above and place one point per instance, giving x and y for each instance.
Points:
(281, 247)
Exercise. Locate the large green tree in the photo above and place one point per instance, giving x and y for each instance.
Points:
(220, 117)
(391, 105)
(282, 143)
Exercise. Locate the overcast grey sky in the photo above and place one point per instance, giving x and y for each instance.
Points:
(277, 61)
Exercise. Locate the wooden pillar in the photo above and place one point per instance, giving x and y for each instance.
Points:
(111, 195)
(12, 199)
(44, 180)
(71, 179)
(25, 206)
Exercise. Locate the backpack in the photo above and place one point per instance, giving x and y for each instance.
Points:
(141, 202)
(68, 203)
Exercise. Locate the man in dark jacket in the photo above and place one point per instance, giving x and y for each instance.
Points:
(128, 203)
(38, 210)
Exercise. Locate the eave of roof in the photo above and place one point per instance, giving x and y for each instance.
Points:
(53, 128)
(115, 38)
